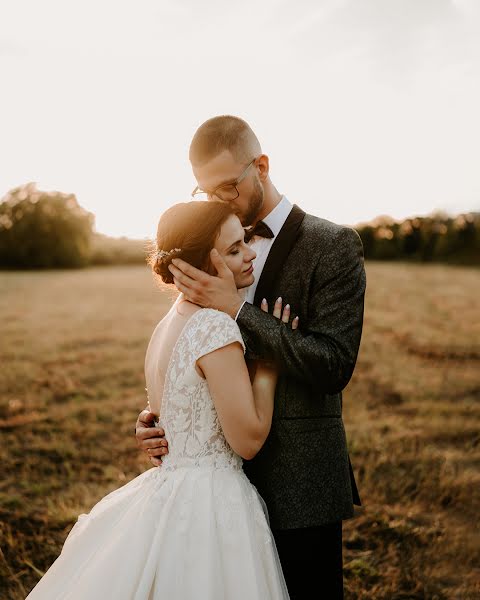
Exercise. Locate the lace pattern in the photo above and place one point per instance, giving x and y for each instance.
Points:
(188, 414)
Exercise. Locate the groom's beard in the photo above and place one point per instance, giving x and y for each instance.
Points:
(255, 204)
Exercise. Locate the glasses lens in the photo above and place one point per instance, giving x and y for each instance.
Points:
(227, 193)
(200, 196)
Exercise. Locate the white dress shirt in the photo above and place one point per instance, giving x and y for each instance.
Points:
(275, 220)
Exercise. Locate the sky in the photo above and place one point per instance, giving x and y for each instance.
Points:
(365, 107)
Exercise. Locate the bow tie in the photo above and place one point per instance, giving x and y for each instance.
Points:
(261, 229)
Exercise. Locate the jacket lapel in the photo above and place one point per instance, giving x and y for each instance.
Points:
(278, 253)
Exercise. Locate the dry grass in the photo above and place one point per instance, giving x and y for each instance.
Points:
(412, 415)
(71, 384)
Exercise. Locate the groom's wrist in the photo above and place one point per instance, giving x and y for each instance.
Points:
(239, 309)
(234, 307)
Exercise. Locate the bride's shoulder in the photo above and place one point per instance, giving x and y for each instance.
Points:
(214, 329)
(203, 320)
(215, 317)
(214, 323)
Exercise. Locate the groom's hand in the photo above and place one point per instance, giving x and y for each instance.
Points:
(149, 438)
(219, 292)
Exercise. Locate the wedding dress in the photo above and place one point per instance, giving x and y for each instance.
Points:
(194, 527)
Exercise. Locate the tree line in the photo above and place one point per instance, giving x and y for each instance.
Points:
(434, 238)
(41, 229)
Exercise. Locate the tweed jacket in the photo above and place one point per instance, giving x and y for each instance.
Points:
(303, 471)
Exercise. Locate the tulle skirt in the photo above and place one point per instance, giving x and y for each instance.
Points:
(187, 533)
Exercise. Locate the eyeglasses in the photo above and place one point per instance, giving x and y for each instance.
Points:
(225, 192)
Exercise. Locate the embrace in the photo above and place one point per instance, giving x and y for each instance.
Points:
(244, 375)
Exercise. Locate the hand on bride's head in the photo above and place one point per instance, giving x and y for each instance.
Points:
(209, 291)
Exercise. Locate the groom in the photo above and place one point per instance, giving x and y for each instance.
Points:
(303, 471)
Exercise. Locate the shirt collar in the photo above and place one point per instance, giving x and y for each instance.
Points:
(277, 217)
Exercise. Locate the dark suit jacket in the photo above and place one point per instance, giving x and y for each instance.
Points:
(303, 471)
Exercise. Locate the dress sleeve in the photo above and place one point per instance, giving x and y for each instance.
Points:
(215, 329)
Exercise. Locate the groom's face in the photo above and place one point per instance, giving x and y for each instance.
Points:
(224, 169)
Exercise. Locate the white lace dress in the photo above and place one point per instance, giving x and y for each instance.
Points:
(194, 527)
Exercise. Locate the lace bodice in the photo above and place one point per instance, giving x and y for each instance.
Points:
(187, 411)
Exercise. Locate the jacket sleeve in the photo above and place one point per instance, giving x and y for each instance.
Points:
(324, 351)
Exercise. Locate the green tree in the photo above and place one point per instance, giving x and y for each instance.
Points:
(43, 229)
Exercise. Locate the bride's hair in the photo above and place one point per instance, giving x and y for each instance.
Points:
(187, 230)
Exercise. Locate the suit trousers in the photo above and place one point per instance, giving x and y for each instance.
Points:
(312, 561)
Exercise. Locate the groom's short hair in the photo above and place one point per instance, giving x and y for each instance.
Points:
(224, 132)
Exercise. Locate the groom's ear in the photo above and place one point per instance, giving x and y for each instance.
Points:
(263, 166)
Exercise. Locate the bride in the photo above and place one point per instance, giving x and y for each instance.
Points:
(195, 527)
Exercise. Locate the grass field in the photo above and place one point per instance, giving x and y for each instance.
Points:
(72, 345)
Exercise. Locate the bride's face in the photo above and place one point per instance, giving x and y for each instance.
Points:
(237, 255)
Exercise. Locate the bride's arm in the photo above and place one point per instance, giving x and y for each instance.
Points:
(245, 409)
(151, 439)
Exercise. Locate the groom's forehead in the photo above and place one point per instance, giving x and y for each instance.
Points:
(220, 169)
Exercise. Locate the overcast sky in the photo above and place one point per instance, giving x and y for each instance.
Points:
(365, 107)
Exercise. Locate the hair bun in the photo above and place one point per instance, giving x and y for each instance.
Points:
(160, 267)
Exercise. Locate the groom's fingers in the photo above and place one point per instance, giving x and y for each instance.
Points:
(219, 264)
(182, 288)
(186, 281)
(145, 419)
(154, 443)
(192, 273)
(190, 295)
(152, 440)
(157, 452)
(148, 433)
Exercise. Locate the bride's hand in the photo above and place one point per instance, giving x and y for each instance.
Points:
(277, 312)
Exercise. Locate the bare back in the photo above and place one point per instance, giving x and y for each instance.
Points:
(164, 338)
